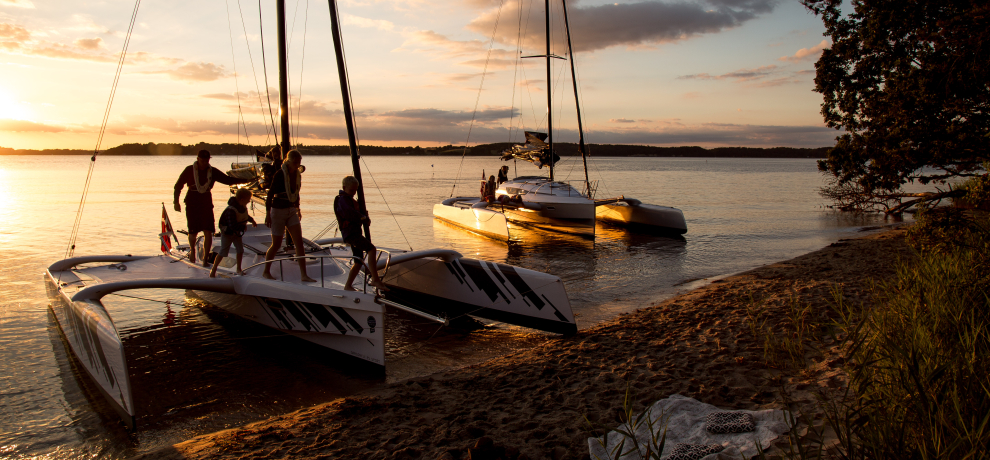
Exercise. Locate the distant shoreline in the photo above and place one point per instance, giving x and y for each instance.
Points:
(563, 149)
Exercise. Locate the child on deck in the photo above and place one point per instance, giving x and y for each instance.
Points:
(233, 223)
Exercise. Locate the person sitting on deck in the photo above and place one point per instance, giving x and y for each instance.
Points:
(490, 188)
(199, 178)
(350, 220)
(503, 175)
(233, 223)
(283, 214)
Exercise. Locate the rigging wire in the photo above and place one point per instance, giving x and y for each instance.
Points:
(587, 144)
(99, 140)
(237, 88)
(254, 71)
(264, 66)
(302, 62)
(515, 80)
(357, 140)
(477, 99)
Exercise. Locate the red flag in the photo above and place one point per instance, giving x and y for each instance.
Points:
(166, 231)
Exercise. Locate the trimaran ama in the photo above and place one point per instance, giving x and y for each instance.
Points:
(435, 284)
(545, 203)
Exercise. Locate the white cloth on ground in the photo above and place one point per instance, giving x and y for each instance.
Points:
(685, 423)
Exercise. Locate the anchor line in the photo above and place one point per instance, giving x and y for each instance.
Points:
(70, 249)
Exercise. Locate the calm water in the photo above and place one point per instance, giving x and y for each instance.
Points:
(198, 370)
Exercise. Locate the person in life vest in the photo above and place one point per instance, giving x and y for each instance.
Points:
(200, 177)
(233, 223)
(283, 214)
(350, 220)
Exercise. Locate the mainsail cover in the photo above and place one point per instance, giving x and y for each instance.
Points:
(535, 150)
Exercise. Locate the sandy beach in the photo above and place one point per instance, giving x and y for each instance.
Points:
(534, 404)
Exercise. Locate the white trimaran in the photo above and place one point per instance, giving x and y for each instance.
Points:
(435, 284)
(545, 203)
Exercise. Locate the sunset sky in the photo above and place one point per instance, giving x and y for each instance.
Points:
(690, 72)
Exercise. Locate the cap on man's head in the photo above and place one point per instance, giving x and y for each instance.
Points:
(203, 154)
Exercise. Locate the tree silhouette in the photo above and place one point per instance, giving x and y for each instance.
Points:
(908, 81)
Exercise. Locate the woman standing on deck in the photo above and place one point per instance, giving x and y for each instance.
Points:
(283, 214)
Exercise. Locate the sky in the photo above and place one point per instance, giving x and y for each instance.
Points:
(424, 73)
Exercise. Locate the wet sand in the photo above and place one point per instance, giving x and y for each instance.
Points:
(534, 404)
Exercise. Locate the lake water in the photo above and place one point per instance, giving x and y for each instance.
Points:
(196, 369)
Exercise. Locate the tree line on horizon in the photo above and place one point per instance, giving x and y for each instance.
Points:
(562, 149)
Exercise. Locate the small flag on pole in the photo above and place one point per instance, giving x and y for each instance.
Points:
(166, 231)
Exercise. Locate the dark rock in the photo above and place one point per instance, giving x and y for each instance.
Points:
(484, 443)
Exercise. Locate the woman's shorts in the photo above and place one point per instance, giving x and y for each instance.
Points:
(227, 240)
(282, 218)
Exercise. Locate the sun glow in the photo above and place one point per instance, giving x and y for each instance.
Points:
(11, 108)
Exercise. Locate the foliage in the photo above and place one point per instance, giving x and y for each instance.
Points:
(919, 357)
(907, 82)
(916, 357)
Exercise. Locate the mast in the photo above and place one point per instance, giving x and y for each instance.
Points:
(549, 93)
(577, 103)
(283, 80)
(345, 94)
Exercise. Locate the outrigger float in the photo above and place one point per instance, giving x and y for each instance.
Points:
(436, 284)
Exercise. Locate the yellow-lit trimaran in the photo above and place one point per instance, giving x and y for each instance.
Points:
(545, 203)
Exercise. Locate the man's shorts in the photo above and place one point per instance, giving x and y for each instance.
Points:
(359, 245)
(227, 240)
(282, 218)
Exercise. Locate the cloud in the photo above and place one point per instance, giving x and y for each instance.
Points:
(807, 53)
(145, 124)
(437, 117)
(13, 36)
(88, 43)
(378, 129)
(621, 120)
(760, 77)
(717, 134)
(24, 126)
(16, 39)
(648, 22)
(476, 51)
(193, 71)
(18, 3)
(380, 24)
(738, 75)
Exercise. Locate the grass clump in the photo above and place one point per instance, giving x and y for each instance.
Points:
(648, 447)
(919, 356)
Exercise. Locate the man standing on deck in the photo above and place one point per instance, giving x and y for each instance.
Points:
(350, 220)
(200, 177)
